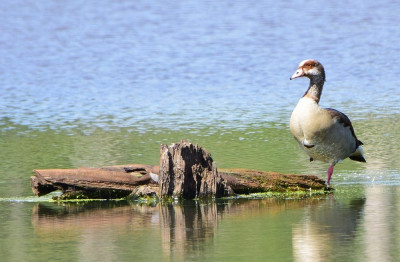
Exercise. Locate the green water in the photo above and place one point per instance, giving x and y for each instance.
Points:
(268, 147)
(358, 221)
(343, 227)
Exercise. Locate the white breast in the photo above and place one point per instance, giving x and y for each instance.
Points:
(307, 119)
(320, 135)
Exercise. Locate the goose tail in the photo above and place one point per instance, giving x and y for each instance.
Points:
(358, 155)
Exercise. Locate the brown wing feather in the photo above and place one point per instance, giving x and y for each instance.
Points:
(343, 119)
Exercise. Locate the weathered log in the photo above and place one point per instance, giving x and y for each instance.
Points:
(244, 181)
(185, 171)
(188, 171)
(104, 182)
(108, 182)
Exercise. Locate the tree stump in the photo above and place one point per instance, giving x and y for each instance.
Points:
(188, 171)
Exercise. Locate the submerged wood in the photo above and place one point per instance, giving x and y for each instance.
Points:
(185, 171)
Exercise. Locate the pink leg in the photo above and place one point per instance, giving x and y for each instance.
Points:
(330, 172)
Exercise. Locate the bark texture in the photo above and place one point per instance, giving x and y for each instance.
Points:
(188, 171)
(244, 181)
(106, 182)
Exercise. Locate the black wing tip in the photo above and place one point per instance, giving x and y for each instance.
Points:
(358, 158)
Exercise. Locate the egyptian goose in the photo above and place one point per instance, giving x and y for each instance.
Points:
(325, 134)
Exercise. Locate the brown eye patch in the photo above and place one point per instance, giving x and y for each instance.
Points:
(309, 64)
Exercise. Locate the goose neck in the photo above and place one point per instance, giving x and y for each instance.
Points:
(314, 91)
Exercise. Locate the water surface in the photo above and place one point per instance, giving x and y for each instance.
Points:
(361, 226)
(103, 83)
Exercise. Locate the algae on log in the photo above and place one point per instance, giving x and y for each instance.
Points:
(188, 171)
(245, 181)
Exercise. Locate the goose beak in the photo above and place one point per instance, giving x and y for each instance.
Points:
(299, 73)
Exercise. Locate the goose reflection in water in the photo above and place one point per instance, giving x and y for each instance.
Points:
(325, 228)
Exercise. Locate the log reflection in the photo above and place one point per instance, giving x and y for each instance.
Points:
(175, 231)
(59, 220)
(186, 228)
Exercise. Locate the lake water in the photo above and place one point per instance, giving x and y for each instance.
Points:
(95, 83)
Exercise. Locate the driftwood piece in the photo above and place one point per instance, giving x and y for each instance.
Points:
(107, 181)
(185, 171)
(188, 171)
(243, 181)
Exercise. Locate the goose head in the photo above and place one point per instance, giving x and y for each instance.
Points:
(311, 69)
